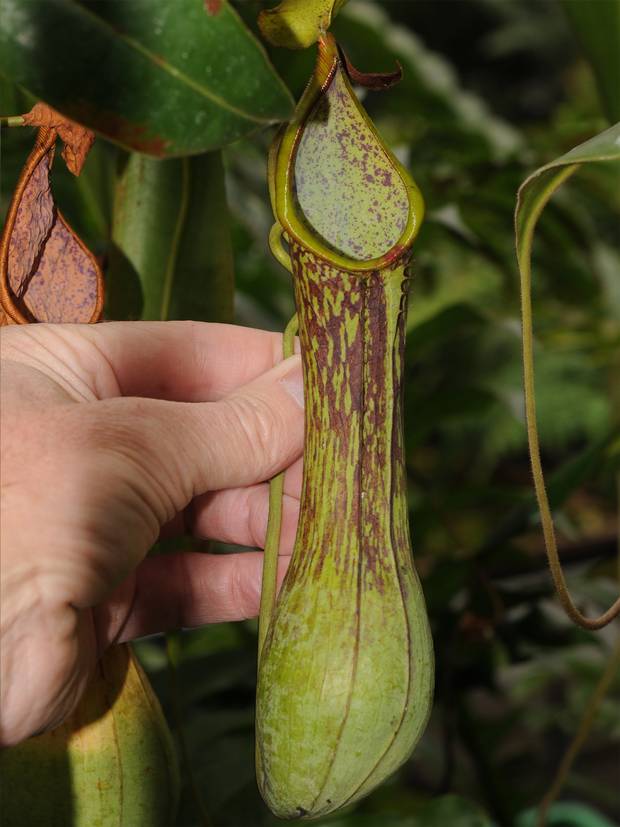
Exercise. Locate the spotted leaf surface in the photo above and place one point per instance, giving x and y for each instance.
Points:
(46, 273)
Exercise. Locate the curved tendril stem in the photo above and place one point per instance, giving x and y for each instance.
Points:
(546, 518)
(274, 523)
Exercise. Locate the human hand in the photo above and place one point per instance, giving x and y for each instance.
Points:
(111, 434)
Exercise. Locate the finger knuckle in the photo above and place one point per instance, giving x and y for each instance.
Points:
(257, 426)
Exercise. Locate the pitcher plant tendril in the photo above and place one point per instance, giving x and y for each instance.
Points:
(533, 196)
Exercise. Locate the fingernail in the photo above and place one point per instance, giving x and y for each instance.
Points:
(292, 381)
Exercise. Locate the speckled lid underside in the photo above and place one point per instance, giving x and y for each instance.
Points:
(347, 188)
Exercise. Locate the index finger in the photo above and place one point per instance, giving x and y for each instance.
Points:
(179, 361)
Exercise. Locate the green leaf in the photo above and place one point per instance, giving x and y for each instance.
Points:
(297, 24)
(86, 201)
(538, 188)
(149, 212)
(565, 814)
(204, 284)
(158, 77)
(533, 195)
(597, 26)
(171, 256)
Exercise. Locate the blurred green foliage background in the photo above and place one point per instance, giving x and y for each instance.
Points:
(492, 89)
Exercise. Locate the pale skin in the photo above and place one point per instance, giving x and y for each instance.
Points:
(113, 435)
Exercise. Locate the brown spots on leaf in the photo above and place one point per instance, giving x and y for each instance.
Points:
(213, 7)
(126, 132)
(160, 60)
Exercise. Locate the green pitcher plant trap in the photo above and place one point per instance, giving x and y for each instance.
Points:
(345, 676)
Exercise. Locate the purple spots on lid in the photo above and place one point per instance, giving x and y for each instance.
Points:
(341, 172)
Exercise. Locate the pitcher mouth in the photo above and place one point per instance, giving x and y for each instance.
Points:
(361, 226)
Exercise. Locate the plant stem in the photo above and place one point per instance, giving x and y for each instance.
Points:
(176, 239)
(11, 120)
(274, 523)
(582, 733)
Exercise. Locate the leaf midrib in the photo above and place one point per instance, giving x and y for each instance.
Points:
(167, 67)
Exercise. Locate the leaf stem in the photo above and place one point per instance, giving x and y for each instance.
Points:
(583, 730)
(171, 263)
(274, 522)
(11, 120)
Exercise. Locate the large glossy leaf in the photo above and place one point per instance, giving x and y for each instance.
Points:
(171, 255)
(205, 283)
(158, 77)
(534, 194)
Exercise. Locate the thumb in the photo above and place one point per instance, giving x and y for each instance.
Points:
(254, 432)
(144, 460)
(182, 449)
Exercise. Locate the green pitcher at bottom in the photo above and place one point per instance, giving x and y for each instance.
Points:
(110, 764)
